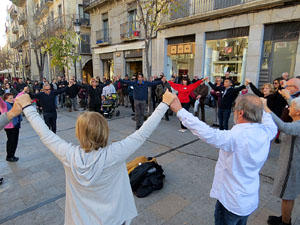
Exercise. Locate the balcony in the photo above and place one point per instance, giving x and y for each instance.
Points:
(13, 14)
(129, 31)
(85, 22)
(14, 44)
(196, 10)
(103, 37)
(89, 4)
(15, 30)
(23, 39)
(23, 18)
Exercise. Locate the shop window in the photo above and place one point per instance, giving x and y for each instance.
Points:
(226, 55)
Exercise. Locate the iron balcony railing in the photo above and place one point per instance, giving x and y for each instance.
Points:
(103, 37)
(129, 30)
(194, 7)
(85, 21)
(48, 2)
(89, 2)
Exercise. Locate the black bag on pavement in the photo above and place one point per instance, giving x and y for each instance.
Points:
(146, 178)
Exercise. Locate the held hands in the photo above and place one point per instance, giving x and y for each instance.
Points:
(206, 79)
(247, 82)
(264, 102)
(15, 111)
(285, 93)
(23, 101)
(168, 97)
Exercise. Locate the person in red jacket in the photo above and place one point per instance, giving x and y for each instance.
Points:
(184, 90)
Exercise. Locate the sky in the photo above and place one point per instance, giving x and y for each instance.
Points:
(3, 7)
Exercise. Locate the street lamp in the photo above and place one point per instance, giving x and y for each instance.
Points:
(77, 27)
(20, 51)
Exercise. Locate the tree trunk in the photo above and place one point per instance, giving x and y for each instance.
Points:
(148, 72)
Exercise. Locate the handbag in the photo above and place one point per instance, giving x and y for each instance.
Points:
(210, 101)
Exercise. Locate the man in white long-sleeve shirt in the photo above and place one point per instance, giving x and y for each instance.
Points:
(243, 151)
(109, 89)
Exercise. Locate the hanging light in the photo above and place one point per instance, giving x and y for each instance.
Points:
(77, 26)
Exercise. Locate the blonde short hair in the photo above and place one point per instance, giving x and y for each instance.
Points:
(271, 87)
(93, 79)
(92, 131)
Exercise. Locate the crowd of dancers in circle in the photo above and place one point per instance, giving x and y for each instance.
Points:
(259, 118)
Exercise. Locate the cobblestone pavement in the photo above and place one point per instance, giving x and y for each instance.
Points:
(33, 191)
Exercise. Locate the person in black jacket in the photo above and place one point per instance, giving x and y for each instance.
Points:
(61, 84)
(275, 101)
(47, 101)
(72, 94)
(20, 85)
(94, 95)
(229, 94)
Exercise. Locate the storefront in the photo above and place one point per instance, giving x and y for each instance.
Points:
(180, 56)
(226, 51)
(108, 65)
(134, 62)
(279, 50)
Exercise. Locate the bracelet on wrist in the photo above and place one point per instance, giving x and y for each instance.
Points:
(26, 106)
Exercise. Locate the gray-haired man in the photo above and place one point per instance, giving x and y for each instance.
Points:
(243, 151)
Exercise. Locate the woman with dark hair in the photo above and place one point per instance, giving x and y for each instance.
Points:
(184, 90)
(9, 89)
(11, 129)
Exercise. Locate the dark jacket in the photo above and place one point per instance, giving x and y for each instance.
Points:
(20, 87)
(228, 96)
(161, 89)
(140, 91)
(203, 91)
(94, 95)
(48, 101)
(274, 101)
(73, 90)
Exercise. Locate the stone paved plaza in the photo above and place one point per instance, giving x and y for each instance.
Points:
(33, 192)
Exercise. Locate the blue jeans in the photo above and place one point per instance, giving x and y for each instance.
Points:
(224, 115)
(224, 217)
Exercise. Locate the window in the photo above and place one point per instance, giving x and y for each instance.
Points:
(83, 17)
(85, 44)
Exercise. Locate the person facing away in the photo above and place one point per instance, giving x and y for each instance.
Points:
(243, 151)
(97, 184)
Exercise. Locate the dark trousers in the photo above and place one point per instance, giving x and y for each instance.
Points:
(224, 217)
(202, 107)
(224, 115)
(139, 107)
(185, 106)
(95, 108)
(12, 141)
(50, 120)
(154, 100)
(131, 103)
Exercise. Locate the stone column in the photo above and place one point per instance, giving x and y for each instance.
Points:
(255, 43)
(199, 55)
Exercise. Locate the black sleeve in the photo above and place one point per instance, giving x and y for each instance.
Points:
(60, 91)
(255, 90)
(214, 87)
(238, 89)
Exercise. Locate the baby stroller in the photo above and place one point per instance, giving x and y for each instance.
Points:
(110, 106)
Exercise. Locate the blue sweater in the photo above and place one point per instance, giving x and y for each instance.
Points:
(140, 91)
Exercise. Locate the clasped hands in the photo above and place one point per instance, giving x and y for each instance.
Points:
(19, 103)
(172, 100)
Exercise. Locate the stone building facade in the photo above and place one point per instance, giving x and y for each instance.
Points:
(257, 39)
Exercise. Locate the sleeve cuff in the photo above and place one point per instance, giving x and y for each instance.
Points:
(28, 109)
(182, 113)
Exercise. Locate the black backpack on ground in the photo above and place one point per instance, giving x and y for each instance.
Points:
(146, 178)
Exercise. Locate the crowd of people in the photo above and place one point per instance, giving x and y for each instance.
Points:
(98, 189)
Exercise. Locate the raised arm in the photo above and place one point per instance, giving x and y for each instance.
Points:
(238, 89)
(214, 87)
(288, 128)
(255, 90)
(193, 86)
(174, 85)
(128, 82)
(60, 91)
(216, 138)
(56, 145)
(120, 151)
